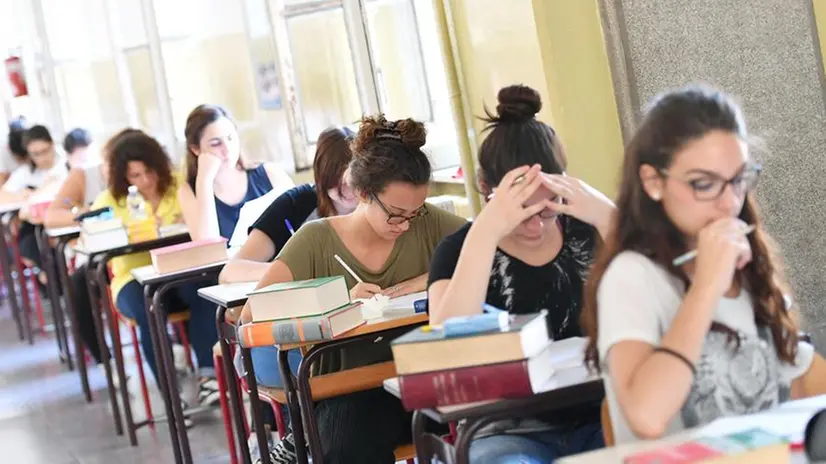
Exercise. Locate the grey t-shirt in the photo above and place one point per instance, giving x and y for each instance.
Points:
(638, 301)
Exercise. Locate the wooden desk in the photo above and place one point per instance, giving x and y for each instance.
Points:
(155, 285)
(788, 419)
(97, 285)
(568, 387)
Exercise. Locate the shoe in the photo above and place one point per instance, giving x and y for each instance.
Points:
(252, 444)
(284, 451)
(208, 393)
(188, 424)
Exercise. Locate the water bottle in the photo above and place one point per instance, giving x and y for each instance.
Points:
(136, 205)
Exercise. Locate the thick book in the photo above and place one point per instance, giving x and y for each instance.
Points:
(752, 446)
(515, 379)
(299, 299)
(96, 235)
(189, 255)
(427, 349)
(304, 329)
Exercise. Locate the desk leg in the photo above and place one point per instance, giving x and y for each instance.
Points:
(6, 261)
(293, 405)
(465, 437)
(157, 332)
(232, 387)
(97, 318)
(24, 290)
(117, 349)
(69, 294)
(255, 406)
(54, 295)
(305, 400)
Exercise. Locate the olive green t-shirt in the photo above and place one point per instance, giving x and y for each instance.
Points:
(309, 255)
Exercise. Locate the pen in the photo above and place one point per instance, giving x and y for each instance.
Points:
(347, 268)
(686, 257)
(289, 226)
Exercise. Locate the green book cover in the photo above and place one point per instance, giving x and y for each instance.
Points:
(301, 284)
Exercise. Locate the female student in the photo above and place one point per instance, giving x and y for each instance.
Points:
(683, 343)
(16, 150)
(529, 249)
(217, 184)
(331, 195)
(388, 241)
(138, 159)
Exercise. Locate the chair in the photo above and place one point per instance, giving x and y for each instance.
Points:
(607, 427)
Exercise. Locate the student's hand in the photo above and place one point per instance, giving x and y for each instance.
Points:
(364, 290)
(208, 165)
(506, 210)
(580, 200)
(722, 248)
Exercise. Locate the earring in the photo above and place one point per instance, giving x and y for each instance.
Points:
(656, 196)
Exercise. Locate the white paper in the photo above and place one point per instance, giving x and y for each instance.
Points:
(250, 213)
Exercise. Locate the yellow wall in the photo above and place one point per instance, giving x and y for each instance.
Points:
(820, 18)
(582, 94)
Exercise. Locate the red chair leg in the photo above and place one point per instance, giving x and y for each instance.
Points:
(185, 342)
(225, 416)
(38, 303)
(144, 390)
(241, 402)
(279, 419)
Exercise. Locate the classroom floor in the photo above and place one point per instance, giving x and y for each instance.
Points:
(44, 417)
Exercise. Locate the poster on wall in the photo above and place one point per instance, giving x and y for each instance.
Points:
(16, 79)
(269, 92)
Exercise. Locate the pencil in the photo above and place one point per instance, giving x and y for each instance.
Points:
(289, 226)
(347, 268)
(688, 256)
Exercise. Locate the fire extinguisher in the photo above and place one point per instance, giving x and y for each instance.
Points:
(17, 80)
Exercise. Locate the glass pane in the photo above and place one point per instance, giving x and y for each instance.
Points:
(324, 71)
(143, 88)
(397, 58)
(76, 29)
(90, 96)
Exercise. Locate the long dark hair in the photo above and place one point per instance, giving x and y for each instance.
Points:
(641, 225)
(332, 156)
(198, 119)
(134, 145)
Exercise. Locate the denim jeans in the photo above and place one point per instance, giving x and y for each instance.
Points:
(537, 447)
(265, 363)
(202, 331)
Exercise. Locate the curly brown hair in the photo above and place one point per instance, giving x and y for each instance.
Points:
(641, 224)
(388, 151)
(135, 145)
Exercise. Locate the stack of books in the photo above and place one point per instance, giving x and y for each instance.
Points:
(299, 312)
(189, 255)
(449, 365)
(102, 234)
(753, 446)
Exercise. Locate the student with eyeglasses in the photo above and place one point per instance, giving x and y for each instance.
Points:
(388, 241)
(530, 249)
(683, 341)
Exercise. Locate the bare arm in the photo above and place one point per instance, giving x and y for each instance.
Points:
(59, 213)
(252, 260)
(198, 209)
(650, 386)
(813, 382)
(4, 176)
(278, 272)
(464, 294)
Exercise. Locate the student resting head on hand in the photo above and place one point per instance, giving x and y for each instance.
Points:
(530, 249)
(682, 343)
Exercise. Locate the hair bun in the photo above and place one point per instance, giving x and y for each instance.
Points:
(377, 128)
(518, 103)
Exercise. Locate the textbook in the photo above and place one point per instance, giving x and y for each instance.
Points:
(425, 349)
(324, 326)
(752, 446)
(189, 255)
(298, 299)
(97, 235)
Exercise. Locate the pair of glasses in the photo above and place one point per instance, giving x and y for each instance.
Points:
(708, 186)
(399, 219)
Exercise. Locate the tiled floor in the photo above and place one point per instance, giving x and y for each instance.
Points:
(44, 417)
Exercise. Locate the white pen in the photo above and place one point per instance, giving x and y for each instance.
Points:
(347, 268)
(688, 256)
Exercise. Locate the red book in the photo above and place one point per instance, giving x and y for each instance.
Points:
(514, 379)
